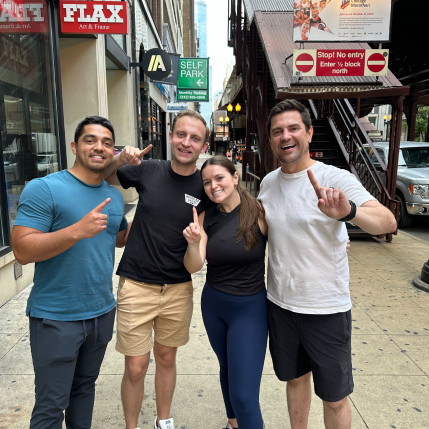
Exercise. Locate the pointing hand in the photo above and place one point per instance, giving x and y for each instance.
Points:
(133, 155)
(93, 223)
(192, 233)
(332, 202)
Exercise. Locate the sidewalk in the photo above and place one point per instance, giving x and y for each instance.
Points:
(390, 355)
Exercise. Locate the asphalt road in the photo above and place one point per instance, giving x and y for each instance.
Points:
(419, 228)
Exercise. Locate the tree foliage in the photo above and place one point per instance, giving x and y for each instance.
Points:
(421, 121)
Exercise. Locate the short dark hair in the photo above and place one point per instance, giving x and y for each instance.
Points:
(96, 120)
(288, 106)
(192, 114)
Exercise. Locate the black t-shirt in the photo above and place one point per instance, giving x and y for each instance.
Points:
(230, 267)
(316, 21)
(156, 246)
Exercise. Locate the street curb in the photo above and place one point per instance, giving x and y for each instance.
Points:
(414, 238)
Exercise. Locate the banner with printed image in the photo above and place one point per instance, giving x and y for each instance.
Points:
(342, 20)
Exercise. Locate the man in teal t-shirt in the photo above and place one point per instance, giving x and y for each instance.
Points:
(68, 223)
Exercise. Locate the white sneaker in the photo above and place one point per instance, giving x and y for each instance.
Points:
(163, 424)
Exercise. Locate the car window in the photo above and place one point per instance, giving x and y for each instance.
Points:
(381, 154)
(373, 158)
(414, 157)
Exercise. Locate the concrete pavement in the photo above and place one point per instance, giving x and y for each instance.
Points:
(390, 360)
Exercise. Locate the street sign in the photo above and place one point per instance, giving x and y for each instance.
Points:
(340, 62)
(376, 62)
(192, 95)
(193, 79)
(171, 79)
(156, 64)
(304, 63)
(177, 107)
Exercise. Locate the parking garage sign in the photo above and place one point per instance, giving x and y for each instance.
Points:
(193, 79)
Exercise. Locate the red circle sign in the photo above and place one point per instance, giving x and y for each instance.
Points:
(304, 63)
(376, 63)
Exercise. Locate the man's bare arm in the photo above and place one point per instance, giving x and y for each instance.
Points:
(31, 245)
(371, 216)
(122, 237)
(374, 218)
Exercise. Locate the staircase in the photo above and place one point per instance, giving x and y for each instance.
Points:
(324, 147)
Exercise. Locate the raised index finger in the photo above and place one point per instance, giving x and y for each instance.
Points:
(145, 151)
(102, 205)
(194, 210)
(314, 182)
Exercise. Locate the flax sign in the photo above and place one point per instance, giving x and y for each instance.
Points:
(94, 17)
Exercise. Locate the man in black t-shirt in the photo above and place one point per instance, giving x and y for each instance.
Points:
(155, 289)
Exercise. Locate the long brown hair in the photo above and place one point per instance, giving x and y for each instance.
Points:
(250, 210)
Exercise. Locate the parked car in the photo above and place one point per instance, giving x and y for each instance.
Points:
(412, 184)
(47, 164)
(10, 168)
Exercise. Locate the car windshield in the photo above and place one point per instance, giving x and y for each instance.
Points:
(414, 157)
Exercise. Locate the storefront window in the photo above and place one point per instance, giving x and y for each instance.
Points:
(28, 122)
(120, 39)
(156, 131)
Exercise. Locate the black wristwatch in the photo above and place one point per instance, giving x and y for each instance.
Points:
(352, 213)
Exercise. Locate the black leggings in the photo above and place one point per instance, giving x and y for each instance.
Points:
(237, 329)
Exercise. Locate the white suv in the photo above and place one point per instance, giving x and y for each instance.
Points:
(412, 184)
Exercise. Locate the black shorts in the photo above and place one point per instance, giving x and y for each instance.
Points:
(300, 343)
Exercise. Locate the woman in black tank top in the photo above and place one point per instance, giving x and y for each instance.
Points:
(231, 236)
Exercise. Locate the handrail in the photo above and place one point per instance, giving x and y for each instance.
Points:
(362, 152)
(365, 135)
(351, 138)
(313, 109)
(254, 176)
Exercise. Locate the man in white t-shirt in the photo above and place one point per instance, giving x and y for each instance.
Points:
(306, 206)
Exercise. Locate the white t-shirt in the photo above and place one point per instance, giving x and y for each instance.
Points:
(308, 269)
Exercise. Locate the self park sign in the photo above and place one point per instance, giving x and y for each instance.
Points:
(193, 79)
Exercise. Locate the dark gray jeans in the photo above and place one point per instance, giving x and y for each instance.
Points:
(67, 357)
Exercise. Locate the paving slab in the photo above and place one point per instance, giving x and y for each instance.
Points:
(390, 326)
(392, 401)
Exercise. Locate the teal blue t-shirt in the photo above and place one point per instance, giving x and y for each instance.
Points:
(76, 284)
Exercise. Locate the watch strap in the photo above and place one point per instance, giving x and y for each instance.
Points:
(352, 213)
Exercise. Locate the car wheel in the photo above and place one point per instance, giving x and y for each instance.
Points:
(405, 219)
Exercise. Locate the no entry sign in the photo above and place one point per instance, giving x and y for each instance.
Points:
(376, 62)
(344, 62)
(304, 63)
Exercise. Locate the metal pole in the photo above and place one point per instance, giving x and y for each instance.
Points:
(233, 128)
